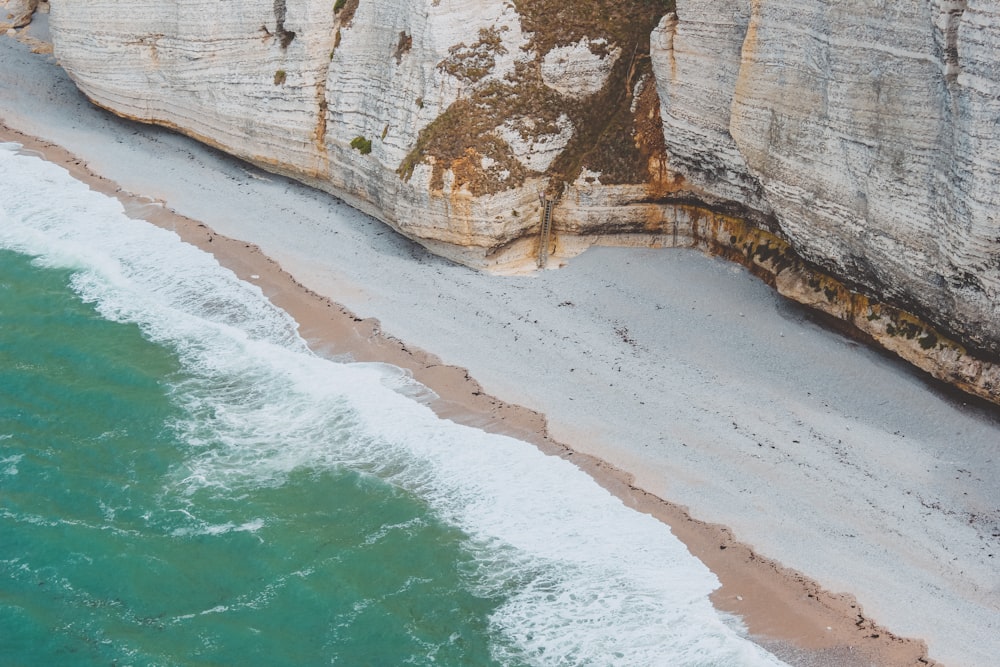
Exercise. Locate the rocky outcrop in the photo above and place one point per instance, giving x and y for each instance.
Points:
(862, 141)
(697, 64)
(16, 13)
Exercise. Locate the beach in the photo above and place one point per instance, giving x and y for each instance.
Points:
(671, 375)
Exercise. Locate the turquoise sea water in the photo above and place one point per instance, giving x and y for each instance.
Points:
(111, 554)
(182, 482)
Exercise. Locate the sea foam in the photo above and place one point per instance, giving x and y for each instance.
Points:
(584, 579)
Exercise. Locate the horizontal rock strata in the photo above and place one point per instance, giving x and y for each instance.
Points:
(444, 118)
(862, 138)
(866, 138)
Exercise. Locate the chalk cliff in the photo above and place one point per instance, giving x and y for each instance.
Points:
(846, 151)
(444, 118)
(865, 135)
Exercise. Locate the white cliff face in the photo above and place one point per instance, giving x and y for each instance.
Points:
(397, 68)
(861, 132)
(289, 85)
(366, 102)
(579, 70)
(535, 150)
(241, 77)
(869, 134)
(697, 63)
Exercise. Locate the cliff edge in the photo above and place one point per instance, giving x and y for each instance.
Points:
(846, 152)
(864, 136)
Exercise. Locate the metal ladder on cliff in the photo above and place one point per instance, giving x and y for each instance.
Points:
(546, 235)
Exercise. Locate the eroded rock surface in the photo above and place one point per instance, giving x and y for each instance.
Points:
(866, 131)
(444, 118)
(16, 13)
(860, 135)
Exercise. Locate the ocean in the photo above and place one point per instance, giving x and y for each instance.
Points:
(184, 482)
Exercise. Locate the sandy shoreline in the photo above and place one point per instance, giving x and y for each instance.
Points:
(784, 610)
(697, 380)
